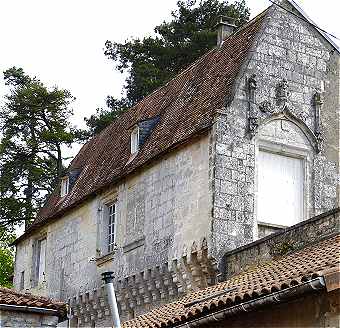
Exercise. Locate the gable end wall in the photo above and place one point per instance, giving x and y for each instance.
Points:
(286, 48)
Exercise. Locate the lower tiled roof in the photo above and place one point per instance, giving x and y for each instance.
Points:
(12, 297)
(275, 275)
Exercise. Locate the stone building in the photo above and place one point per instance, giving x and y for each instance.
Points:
(288, 279)
(25, 310)
(241, 144)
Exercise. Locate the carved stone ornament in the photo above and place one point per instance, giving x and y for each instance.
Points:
(318, 103)
(318, 98)
(252, 111)
(266, 107)
(252, 86)
(282, 92)
(282, 108)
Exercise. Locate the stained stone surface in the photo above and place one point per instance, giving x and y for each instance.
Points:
(26, 320)
(287, 50)
(179, 215)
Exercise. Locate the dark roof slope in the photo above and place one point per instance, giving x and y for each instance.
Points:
(12, 297)
(185, 106)
(290, 270)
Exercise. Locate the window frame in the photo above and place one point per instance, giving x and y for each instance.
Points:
(111, 235)
(36, 261)
(134, 140)
(64, 186)
(103, 251)
(304, 154)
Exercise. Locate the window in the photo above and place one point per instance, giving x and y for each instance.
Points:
(111, 226)
(280, 189)
(135, 140)
(41, 263)
(64, 186)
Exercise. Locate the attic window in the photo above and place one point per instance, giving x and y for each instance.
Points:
(135, 140)
(64, 188)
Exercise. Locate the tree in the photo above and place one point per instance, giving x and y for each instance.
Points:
(103, 117)
(6, 258)
(154, 60)
(35, 126)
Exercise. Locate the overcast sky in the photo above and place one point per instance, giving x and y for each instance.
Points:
(62, 41)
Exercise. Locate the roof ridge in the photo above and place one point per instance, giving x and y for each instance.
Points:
(184, 70)
(186, 104)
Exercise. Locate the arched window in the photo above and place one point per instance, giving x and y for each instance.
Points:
(284, 159)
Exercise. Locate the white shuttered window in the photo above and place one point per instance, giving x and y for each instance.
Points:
(280, 189)
(41, 260)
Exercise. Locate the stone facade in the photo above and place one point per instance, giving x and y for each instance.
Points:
(26, 320)
(179, 215)
(163, 223)
(277, 105)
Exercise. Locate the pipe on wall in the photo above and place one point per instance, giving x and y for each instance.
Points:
(274, 298)
(31, 309)
(108, 279)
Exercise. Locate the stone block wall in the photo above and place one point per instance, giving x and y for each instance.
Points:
(162, 226)
(282, 242)
(288, 68)
(26, 320)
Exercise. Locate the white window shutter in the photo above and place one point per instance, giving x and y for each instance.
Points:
(280, 189)
(42, 259)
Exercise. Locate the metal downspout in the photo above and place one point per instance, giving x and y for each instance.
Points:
(31, 309)
(278, 297)
(108, 279)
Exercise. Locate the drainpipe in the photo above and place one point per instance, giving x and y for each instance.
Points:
(108, 279)
(282, 296)
(32, 309)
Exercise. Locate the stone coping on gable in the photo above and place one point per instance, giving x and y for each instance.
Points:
(285, 230)
(283, 242)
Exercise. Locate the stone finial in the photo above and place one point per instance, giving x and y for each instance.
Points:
(252, 86)
(282, 91)
(318, 103)
(318, 98)
(224, 27)
(252, 82)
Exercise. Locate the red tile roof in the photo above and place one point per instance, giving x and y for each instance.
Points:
(289, 270)
(185, 105)
(12, 297)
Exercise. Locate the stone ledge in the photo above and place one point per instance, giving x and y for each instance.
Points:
(134, 244)
(283, 231)
(105, 258)
(281, 243)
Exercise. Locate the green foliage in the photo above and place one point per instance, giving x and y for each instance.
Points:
(154, 60)
(6, 267)
(103, 117)
(35, 125)
(6, 258)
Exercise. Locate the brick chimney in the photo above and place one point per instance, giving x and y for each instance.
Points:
(224, 27)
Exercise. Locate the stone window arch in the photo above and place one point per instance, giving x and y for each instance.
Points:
(285, 149)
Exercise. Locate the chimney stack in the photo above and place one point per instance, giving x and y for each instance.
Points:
(224, 27)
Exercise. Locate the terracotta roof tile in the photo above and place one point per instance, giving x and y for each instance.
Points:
(12, 297)
(272, 276)
(185, 105)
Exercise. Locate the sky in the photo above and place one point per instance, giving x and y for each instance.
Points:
(62, 42)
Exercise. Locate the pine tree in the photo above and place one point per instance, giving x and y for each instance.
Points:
(35, 126)
(153, 61)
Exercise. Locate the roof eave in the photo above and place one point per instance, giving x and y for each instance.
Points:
(283, 296)
(323, 34)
